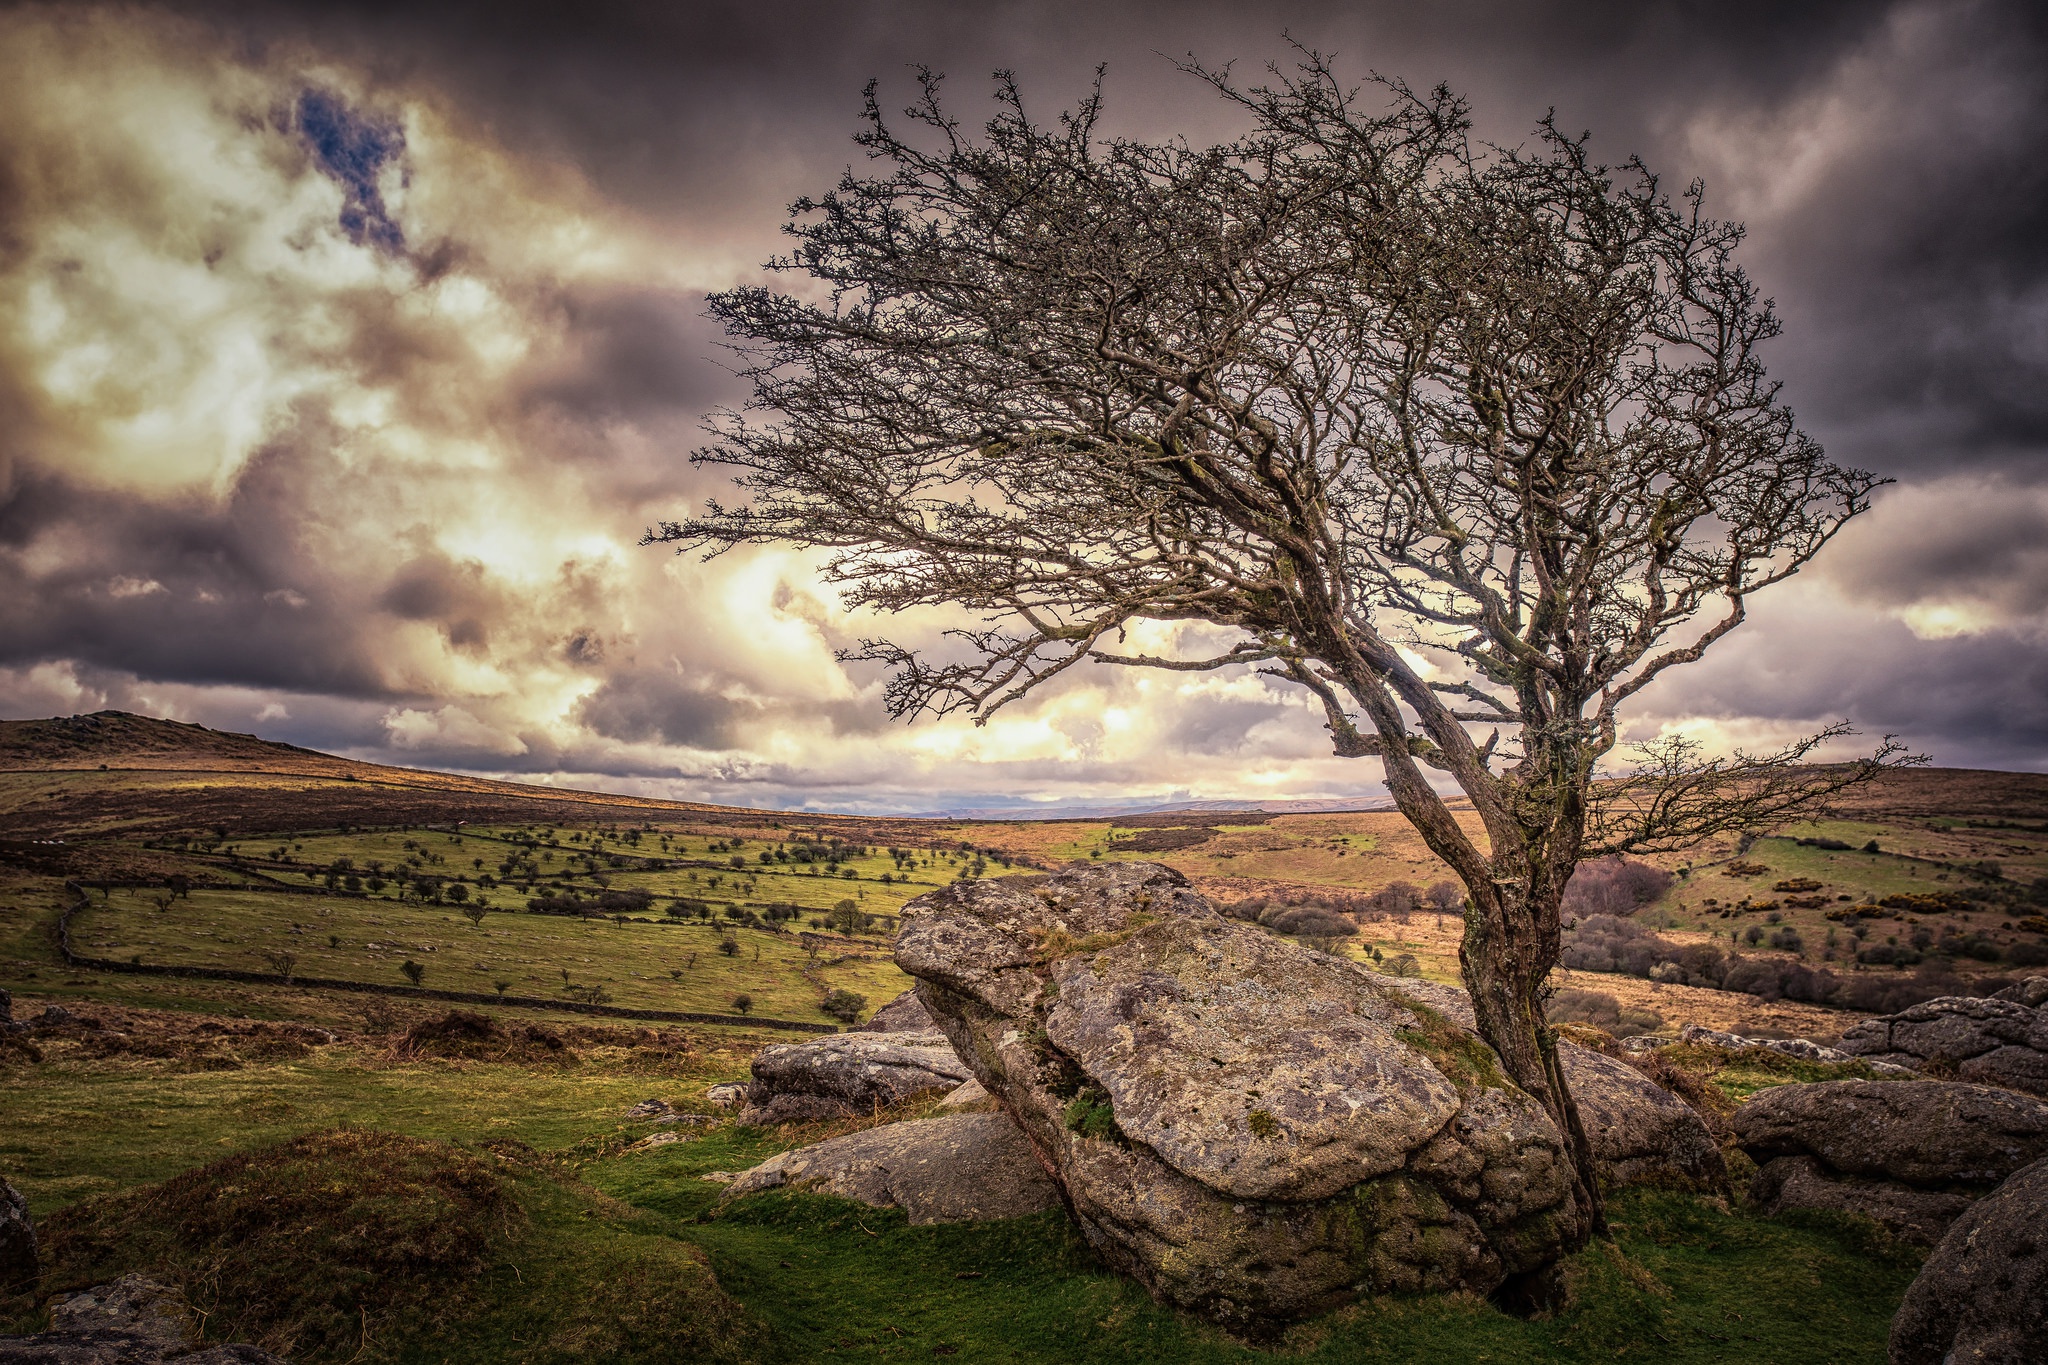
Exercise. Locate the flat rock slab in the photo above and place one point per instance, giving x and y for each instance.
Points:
(848, 1074)
(1982, 1296)
(1926, 1133)
(962, 1168)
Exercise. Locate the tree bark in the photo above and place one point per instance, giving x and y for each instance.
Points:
(1504, 971)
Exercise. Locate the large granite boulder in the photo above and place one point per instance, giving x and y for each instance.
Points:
(133, 1321)
(1253, 1129)
(848, 1074)
(1997, 1040)
(1982, 1297)
(18, 1260)
(963, 1168)
(1911, 1154)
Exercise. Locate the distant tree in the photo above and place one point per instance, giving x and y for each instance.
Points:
(843, 1005)
(475, 913)
(743, 1003)
(501, 987)
(414, 971)
(283, 963)
(729, 946)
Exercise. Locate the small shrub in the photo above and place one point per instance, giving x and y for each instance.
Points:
(414, 972)
(743, 1003)
(729, 946)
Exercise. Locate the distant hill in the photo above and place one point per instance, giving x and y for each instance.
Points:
(111, 771)
(76, 775)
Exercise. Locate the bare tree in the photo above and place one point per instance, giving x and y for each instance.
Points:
(1471, 443)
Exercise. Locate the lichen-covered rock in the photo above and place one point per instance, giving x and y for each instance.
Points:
(848, 1074)
(905, 1014)
(1982, 1297)
(1926, 1133)
(1912, 1215)
(1253, 1129)
(18, 1260)
(1997, 1040)
(962, 1168)
(1640, 1132)
(2032, 992)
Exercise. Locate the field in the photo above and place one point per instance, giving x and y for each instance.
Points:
(195, 850)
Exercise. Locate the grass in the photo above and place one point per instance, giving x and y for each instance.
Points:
(646, 963)
(624, 1254)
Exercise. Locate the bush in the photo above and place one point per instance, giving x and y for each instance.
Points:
(1614, 886)
(729, 946)
(1602, 1011)
(743, 1003)
(844, 1005)
(1308, 921)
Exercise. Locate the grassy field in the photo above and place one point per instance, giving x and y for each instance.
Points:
(643, 962)
(796, 1278)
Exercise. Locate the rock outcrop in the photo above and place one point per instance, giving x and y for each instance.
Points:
(1982, 1297)
(1253, 1129)
(1997, 1040)
(848, 1074)
(133, 1321)
(1911, 1154)
(18, 1259)
(1641, 1133)
(963, 1168)
(905, 1014)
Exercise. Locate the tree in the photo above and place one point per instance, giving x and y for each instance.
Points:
(283, 963)
(743, 1003)
(1471, 444)
(474, 912)
(414, 972)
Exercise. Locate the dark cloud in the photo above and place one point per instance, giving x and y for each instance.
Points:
(1885, 156)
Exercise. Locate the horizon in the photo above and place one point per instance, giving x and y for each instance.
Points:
(352, 350)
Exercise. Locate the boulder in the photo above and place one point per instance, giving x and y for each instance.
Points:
(2033, 992)
(905, 1014)
(18, 1261)
(1910, 1154)
(1800, 1182)
(970, 1092)
(848, 1074)
(962, 1168)
(134, 1304)
(1997, 1040)
(133, 1321)
(1982, 1297)
(1926, 1133)
(1253, 1129)
(1641, 1133)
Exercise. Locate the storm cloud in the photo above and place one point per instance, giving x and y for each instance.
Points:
(346, 350)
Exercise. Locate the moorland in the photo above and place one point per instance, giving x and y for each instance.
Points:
(253, 952)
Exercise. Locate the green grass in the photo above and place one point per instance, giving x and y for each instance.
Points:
(819, 1278)
(667, 966)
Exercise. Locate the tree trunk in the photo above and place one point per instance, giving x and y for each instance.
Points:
(1504, 972)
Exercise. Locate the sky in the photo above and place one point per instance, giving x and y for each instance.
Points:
(346, 351)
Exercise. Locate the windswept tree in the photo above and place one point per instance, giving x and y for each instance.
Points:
(1470, 443)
